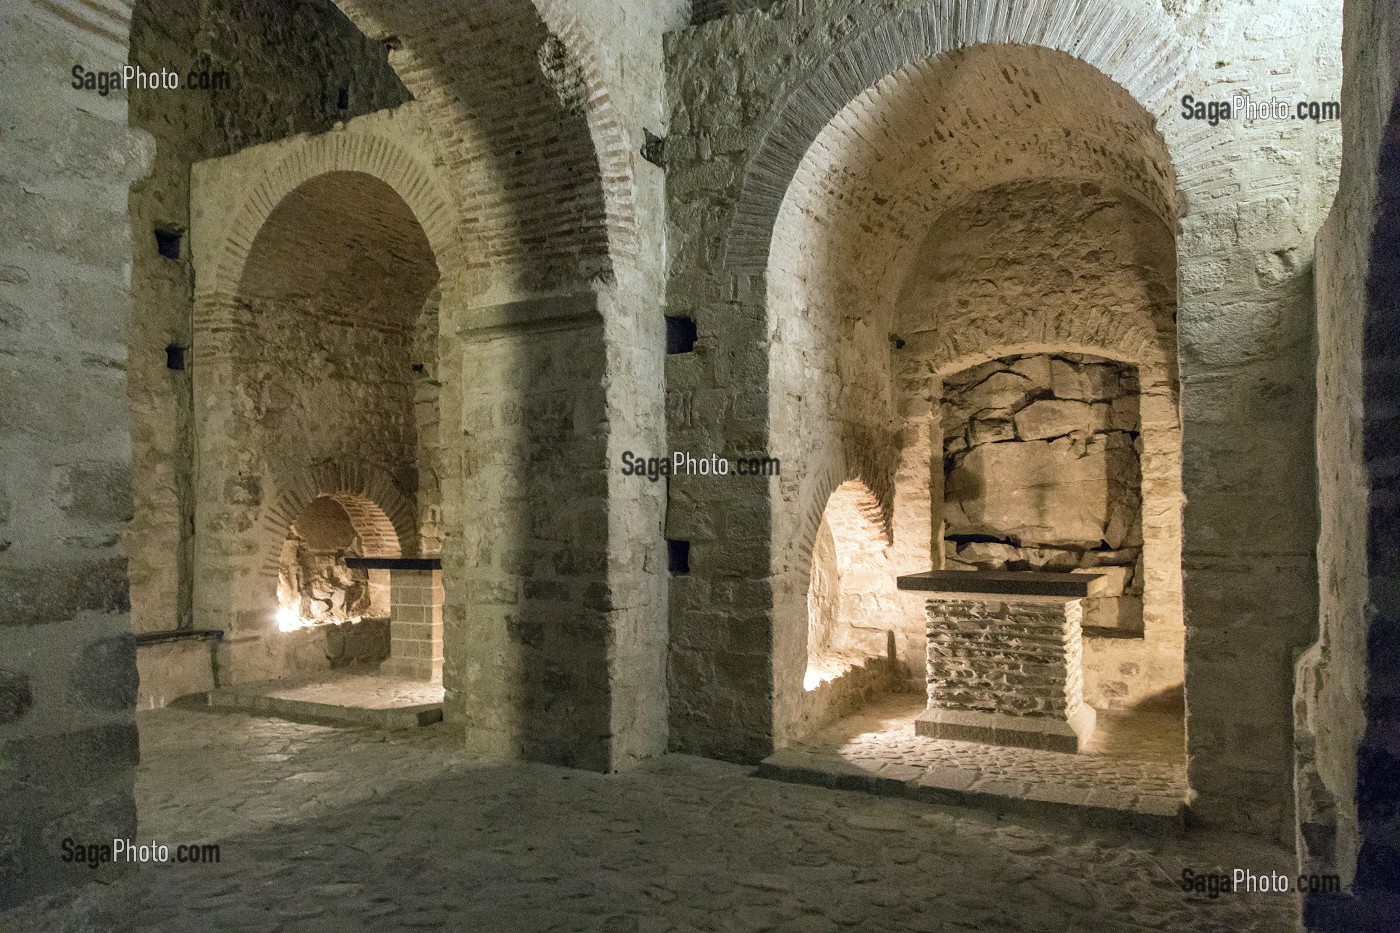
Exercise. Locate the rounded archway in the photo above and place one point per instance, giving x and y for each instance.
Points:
(988, 202)
(850, 598)
(317, 353)
(315, 586)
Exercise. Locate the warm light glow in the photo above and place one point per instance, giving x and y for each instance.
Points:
(816, 677)
(288, 620)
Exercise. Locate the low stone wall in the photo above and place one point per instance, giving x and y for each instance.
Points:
(992, 662)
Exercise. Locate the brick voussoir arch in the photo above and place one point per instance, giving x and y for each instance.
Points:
(338, 151)
(1139, 50)
(613, 143)
(852, 466)
(382, 516)
(514, 210)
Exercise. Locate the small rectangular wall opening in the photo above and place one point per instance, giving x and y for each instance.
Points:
(169, 241)
(680, 334)
(678, 556)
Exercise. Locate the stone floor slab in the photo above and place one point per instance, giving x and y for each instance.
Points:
(374, 700)
(1132, 773)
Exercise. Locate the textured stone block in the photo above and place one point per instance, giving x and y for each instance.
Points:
(104, 674)
(15, 696)
(1006, 672)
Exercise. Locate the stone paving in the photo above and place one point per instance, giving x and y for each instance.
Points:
(347, 699)
(1135, 764)
(347, 830)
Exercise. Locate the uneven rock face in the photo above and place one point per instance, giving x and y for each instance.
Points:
(1041, 463)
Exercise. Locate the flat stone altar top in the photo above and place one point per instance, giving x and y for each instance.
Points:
(394, 563)
(1006, 583)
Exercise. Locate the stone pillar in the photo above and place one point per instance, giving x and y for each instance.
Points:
(415, 625)
(1007, 670)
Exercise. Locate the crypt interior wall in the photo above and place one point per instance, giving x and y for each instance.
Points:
(68, 675)
(1345, 682)
(1071, 267)
(565, 285)
(316, 334)
(286, 66)
(740, 182)
(952, 264)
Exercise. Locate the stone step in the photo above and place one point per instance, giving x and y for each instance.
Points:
(1153, 815)
(336, 702)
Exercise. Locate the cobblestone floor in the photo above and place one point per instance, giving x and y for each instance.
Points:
(339, 830)
(1135, 762)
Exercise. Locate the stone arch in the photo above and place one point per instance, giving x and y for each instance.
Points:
(837, 203)
(1140, 51)
(311, 157)
(611, 139)
(536, 152)
(383, 517)
(844, 643)
(852, 488)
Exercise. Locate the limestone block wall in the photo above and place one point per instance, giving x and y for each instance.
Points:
(310, 303)
(415, 650)
(68, 744)
(1244, 200)
(1042, 472)
(286, 65)
(1345, 682)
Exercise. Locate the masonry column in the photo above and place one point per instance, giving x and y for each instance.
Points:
(415, 615)
(68, 743)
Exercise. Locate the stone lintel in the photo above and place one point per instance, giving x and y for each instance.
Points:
(1002, 583)
(394, 563)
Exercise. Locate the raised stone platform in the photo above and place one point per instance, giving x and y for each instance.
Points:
(1132, 774)
(371, 700)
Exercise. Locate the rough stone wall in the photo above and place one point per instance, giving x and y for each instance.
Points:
(1248, 194)
(314, 275)
(1042, 472)
(286, 64)
(1017, 658)
(852, 607)
(1345, 683)
(68, 744)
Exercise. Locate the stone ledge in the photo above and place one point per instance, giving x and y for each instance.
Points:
(550, 312)
(1023, 583)
(1038, 732)
(394, 563)
(1078, 806)
(380, 702)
